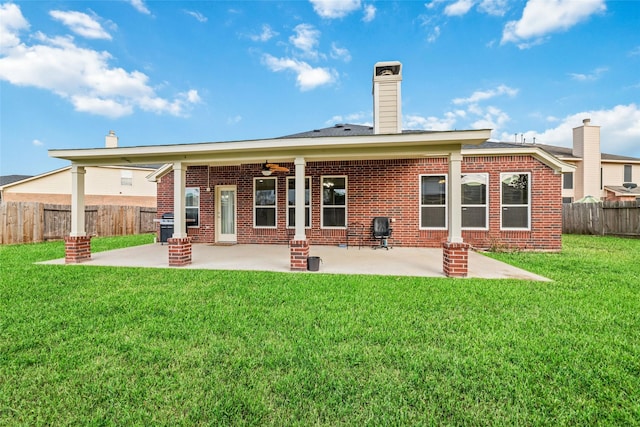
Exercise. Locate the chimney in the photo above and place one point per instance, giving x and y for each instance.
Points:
(387, 103)
(586, 145)
(111, 140)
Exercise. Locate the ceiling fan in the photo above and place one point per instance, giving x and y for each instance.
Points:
(269, 168)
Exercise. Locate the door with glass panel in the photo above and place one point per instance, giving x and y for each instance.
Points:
(226, 216)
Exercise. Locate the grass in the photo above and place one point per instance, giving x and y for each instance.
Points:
(125, 346)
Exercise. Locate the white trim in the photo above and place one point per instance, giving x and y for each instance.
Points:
(446, 204)
(528, 228)
(187, 207)
(346, 202)
(307, 207)
(274, 206)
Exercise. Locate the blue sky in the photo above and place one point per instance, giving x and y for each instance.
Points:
(171, 72)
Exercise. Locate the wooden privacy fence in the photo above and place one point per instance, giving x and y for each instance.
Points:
(26, 222)
(606, 218)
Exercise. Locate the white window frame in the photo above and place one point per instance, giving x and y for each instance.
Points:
(446, 202)
(274, 206)
(307, 206)
(629, 175)
(528, 205)
(126, 177)
(188, 207)
(346, 199)
(486, 204)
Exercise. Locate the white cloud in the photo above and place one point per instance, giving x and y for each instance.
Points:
(140, 6)
(542, 17)
(359, 118)
(619, 130)
(307, 77)
(199, 16)
(416, 122)
(306, 39)
(635, 51)
(234, 120)
(82, 76)
(266, 34)
(435, 33)
(11, 23)
(493, 7)
(333, 9)
(487, 94)
(37, 143)
(340, 53)
(369, 13)
(594, 75)
(458, 8)
(81, 24)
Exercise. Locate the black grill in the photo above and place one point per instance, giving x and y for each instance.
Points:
(166, 227)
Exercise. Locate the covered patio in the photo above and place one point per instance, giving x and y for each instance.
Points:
(399, 261)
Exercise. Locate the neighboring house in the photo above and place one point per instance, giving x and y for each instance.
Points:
(597, 174)
(449, 189)
(10, 179)
(104, 185)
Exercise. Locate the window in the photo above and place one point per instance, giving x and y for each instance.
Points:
(334, 201)
(474, 200)
(264, 202)
(627, 174)
(291, 202)
(566, 200)
(192, 206)
(567, 180)
(433, 201)
(514, 196)
(126, 177)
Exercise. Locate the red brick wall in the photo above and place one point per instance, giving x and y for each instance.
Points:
(381, 188)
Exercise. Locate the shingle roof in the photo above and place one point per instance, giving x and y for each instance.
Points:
(343, 129)
(10, 179)
(346, 129)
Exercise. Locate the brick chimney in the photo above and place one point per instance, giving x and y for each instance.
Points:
(387, 103)
(586, 145)
(111, 140)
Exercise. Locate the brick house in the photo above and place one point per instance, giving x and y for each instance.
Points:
(449, 189)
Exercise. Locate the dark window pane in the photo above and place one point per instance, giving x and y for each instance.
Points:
(567, 180)
(333, 217)
(192, 217)
(334, 191)
(515, 217)
(433, 217)
(265, 192)
(473, 217)
(433, 190)
(515, 189)
(265, 217)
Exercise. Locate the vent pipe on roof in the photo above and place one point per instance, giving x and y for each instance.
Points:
(387, 102)
(111, 140)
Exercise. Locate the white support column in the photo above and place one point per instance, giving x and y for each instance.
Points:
(179, 203)
(77, 201)
(455, 198)
(300, 199)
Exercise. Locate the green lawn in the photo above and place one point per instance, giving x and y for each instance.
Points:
(124, 346)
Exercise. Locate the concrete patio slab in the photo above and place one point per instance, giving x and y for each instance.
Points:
(399, 261)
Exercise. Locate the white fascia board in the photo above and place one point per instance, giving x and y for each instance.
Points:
(538, 153)
(160, 172)
(260, 150)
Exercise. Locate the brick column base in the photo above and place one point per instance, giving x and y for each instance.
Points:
(179, 251)
(299, 252)
(77, 249)
(455, 257)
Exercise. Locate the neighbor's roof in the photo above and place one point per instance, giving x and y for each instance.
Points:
(563, 153)
(620, 190)
(10, 179)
